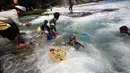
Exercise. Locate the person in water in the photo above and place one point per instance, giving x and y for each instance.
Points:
(52, 24)
(49, 27)
(9, 22)
(73, 42)
(46, 30)
(124, 29)
(44, 25)
(70, 6)
(42, 29)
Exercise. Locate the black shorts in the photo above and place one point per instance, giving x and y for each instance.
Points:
(11, 32)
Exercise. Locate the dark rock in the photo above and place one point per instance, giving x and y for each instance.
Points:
(82, 14)
(78, 14)
(109, 10)
(5, 45)
(23, 33)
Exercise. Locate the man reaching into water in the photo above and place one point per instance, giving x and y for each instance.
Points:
(52, 25)
(9, 22)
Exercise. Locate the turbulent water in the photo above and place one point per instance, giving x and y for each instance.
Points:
(106, 50)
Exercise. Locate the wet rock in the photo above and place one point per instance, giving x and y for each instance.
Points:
(5, 45)
(82, 14)
(79, 14)
(23, 33)
(109, 10)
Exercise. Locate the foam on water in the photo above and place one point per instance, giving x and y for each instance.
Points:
(105, 52)
(76, 61)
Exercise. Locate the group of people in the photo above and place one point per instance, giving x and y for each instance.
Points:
(49, 27)
(9, 27)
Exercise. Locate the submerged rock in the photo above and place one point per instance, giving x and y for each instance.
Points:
(109, 10)
(82, 14)
(5, 45)
(79, 14)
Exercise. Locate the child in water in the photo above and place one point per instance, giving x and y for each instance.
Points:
(73, 42)
(124, 29)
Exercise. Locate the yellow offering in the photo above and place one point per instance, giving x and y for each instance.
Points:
(57, 55)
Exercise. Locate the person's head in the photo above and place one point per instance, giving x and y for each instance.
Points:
(20, 9)
(72, 39)
(56, 15)
(45, 22)
(123, 29)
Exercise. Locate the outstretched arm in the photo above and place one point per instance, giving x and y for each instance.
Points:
(15, 19)
(81, 45)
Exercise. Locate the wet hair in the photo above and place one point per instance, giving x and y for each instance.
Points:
(123, 29)
(56, 15)
(72, 37)
(45, 21)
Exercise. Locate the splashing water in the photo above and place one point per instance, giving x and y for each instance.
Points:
(106, 50)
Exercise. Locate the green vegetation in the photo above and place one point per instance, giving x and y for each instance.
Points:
(35, 12)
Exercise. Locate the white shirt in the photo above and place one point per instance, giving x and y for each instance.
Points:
(10, 16)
